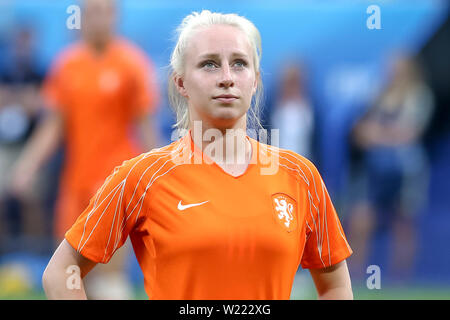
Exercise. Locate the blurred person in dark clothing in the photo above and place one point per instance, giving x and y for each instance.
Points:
(23, 217)
(396, 166)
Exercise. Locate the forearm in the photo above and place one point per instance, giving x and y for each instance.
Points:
(41, 145)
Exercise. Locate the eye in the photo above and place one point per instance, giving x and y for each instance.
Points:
(240, 64)
(208, 65)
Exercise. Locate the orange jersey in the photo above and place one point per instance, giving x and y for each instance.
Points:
(100, 97)
(200, 233)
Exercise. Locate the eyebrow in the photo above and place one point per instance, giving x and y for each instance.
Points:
(216, 55)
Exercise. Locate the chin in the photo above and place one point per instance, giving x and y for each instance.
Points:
(220, 116)
(223, 120)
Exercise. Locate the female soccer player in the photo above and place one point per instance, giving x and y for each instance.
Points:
(210, 216)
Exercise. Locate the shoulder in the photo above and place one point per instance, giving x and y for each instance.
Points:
(294, 164)
(288, 159)
(131, 53)
(68, 55)
(147, 167)
(301, 169)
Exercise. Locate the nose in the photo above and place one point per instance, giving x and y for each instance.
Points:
(226, 78)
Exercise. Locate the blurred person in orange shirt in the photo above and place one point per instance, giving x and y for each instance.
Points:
(97, 92)
(395, 166)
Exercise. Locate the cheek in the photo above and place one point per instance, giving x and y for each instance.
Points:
(196, 86)
(248, 86)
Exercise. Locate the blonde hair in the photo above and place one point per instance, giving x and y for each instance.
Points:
(185, 31)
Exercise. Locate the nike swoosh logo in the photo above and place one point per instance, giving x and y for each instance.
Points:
(187, 206)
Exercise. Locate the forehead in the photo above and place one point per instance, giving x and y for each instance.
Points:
(219, 39)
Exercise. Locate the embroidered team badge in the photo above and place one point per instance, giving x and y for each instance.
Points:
(285, 209)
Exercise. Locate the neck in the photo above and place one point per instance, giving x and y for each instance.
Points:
(226, 146)
(98, 46)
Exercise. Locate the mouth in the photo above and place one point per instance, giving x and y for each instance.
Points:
(226, 98)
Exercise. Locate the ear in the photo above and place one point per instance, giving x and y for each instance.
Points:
(179, 84)
(255, 84)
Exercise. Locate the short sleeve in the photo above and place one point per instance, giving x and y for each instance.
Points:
(145, 93)
(326, 243)
(111, 215)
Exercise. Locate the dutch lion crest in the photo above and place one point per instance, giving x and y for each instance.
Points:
(284, 207)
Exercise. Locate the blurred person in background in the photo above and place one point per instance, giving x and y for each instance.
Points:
(100, 95)
(293, 114)
(396, 167)
(23, 220)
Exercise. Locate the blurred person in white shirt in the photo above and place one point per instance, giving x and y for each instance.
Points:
(293, 114)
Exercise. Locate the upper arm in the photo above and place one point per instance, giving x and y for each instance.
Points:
(66, 256)
(50, 132)
(332, 278)
(64, 273)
